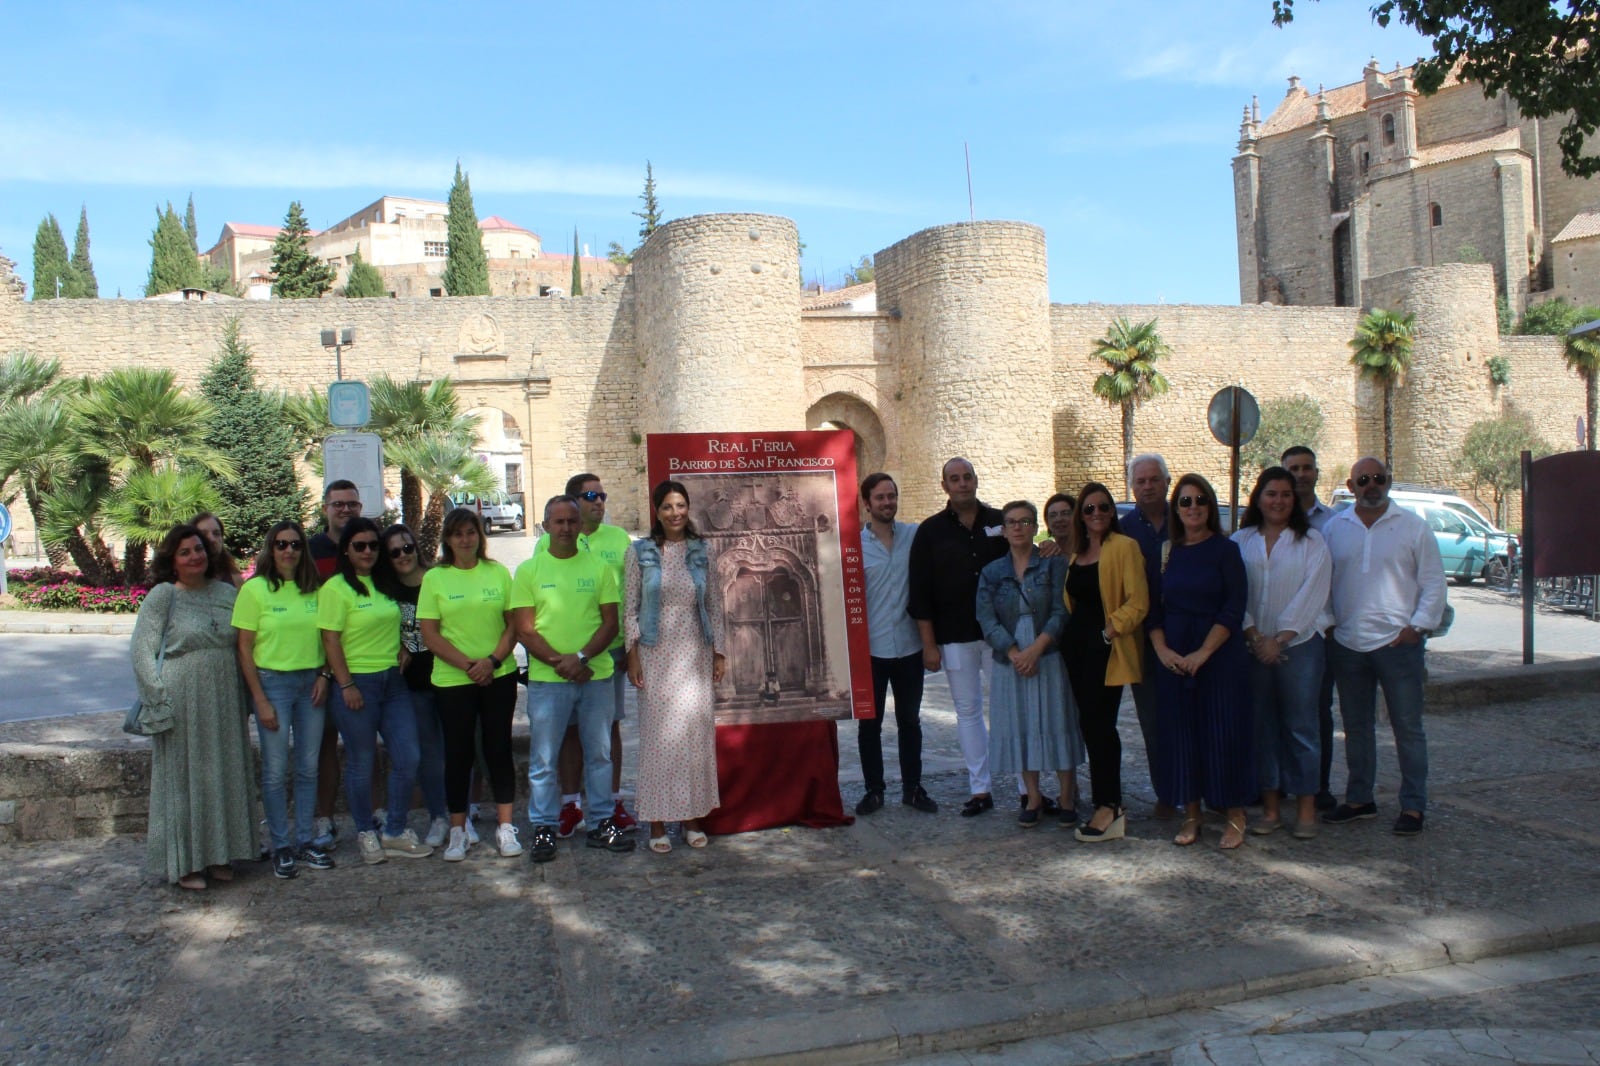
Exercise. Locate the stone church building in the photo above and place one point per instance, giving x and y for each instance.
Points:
(1344, 185)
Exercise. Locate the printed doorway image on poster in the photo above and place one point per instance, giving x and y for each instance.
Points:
(778, 513)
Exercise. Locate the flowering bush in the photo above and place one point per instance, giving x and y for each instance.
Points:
(58, 590)
(41, 575)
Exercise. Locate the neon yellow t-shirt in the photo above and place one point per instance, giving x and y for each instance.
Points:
(284, 622)
(610, 543)
(470, 607)
(368, 626)
(565, 595)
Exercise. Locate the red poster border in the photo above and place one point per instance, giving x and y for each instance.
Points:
(669, 455)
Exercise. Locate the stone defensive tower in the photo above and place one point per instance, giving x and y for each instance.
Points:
(970, 335)
(718, 325)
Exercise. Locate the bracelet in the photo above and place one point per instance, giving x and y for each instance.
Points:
(347, 684)
(495, 663)
(1105, 638)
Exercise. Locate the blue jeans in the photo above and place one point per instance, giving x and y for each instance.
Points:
(386, 712)
(1285, 697)
(551, 706)
(430, 751)
(289, 692)
(1401, 671)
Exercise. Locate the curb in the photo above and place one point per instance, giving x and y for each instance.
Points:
(1470, 689)
(42, 622)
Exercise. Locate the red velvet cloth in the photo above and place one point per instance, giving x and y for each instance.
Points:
(784, 773)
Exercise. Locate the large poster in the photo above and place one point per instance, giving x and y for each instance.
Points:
(778, 512)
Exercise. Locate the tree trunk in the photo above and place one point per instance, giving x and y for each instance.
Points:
(410, 499)
(1590, 385)
(90, 566)
(56, 553)
(432, 522)
(133, 564)
(1127, 445)
(1388, 427)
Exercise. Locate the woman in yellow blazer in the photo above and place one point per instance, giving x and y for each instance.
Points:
(1107, 598)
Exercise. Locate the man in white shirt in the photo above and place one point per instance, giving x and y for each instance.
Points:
(1301, 462)
(1388, 596)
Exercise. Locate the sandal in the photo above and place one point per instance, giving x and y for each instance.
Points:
(695, 838)
(1237, 838)
(661, 844)
(195, 882)
(221, 872)
(1267, 826)
(1188, 833)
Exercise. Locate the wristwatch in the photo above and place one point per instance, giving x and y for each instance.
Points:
(583, 660)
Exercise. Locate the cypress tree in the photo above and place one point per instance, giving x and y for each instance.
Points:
(87, 288)
(466, 266)
(50, 262)
(577, 269)
(189, 227)
(173, 264)
(650, 217)
(300, 275)
(363, 281)
(249, 428)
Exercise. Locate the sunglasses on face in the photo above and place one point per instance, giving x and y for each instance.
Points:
(1098, 508)
(1373, 479)
(592, 496)
(1186, 502)
(287, 545)
(363, 545)
(400, 550)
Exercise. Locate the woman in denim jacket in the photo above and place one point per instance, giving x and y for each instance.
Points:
(673, 641)
(1032, 726)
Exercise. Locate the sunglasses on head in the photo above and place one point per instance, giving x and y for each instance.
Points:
(1197, 500)
(401, 550)
(1371, 479)
(363, 545)
(287, 545)
(592, 496)
(1098, 508)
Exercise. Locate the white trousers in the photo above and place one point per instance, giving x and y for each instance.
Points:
(966, 668)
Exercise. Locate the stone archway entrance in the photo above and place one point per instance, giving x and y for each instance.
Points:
(840, 410)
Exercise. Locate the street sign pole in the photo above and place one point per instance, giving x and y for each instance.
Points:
(1233, 495)
(5, 532)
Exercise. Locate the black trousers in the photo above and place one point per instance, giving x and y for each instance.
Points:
(1087, 656)
(905, 676)
(463, 711)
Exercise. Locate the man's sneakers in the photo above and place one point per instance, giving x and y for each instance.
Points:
(404, 846)
(314, 857)
(544, 844)
(609, 837)
(622, 819)
(1351, 812)
(283, 864)
(919, 800)
(871, 803)
(459, 845)
(571, 820)
(369, 846)
(505, 838)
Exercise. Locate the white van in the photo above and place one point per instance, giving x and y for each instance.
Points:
(1416, 494)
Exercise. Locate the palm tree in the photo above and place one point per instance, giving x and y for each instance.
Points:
(1382, 347)
(1130, 376)
(405, 411)
(444, 463)
(31, 435)
(1583, 355)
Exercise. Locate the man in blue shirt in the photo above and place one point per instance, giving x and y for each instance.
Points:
(1149, 480)
(1302, 463)
(896, 647)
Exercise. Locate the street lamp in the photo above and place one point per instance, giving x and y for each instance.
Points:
(339, 340)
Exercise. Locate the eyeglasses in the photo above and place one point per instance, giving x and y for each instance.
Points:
(401, 550)
(288, 545)
(1373, 479)
(345, 505)
(363, 545)
(592, 496)
(1019, 523)
(1186, 502)
(1097, 508)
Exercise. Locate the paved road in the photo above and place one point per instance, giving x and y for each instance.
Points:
(45, 675)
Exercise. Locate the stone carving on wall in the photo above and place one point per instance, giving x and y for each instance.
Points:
(480, 335)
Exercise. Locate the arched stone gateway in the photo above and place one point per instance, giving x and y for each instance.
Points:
(840, 410)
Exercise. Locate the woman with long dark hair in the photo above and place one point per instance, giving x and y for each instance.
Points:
(674, 642)
(210, 527)
(281, 657)
(1290, 574)
(202, 798)
(361, 635)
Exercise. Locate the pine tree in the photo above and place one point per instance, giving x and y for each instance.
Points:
(249, 428)
(650, 217)
(577, 265)
(87, 287)
(173, 264)
(300, 275)
(50, 262)
(190, 228)
(466, 266)
(363, 281)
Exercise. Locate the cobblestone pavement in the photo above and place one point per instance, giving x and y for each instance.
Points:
(904, 934)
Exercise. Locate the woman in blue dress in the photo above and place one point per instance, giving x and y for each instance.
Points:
(1204, 714)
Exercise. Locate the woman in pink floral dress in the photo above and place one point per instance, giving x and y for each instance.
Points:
(673, 659)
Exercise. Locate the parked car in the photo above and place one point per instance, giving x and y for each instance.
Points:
(1417, 494)
(499, 510)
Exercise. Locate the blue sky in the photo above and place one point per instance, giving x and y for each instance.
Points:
(1110, 125)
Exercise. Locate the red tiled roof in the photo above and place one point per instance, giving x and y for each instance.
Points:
(1583, 224)
(817, 301)
(1446, 151)
(496, 222)
(1299, 107)
(250, 229)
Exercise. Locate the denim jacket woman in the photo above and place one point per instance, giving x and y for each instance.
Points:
(1002, 599)
(648, 554)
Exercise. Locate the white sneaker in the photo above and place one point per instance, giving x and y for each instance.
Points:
(506, 839)
(459, 845)
(370, 847)
(406, 845)
(438, 832)
(472, 832)
(322, 833)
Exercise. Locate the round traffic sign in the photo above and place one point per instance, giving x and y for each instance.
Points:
(1220, 415)
(5, 522)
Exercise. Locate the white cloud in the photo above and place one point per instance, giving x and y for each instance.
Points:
(60, 151)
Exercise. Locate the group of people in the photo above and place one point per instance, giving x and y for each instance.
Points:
(353, 636)
(1233, 646)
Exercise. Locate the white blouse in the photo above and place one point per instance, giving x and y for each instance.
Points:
(1289, 589)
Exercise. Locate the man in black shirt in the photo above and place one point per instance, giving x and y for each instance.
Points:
(341, 501)
(947, 553)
